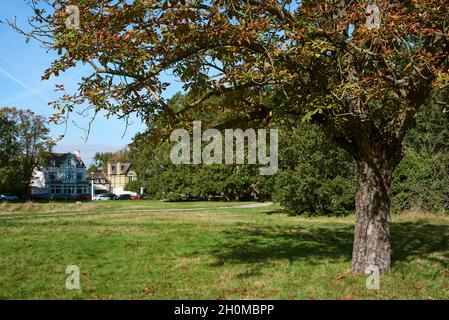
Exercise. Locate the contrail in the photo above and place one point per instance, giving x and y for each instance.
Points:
(24, 85)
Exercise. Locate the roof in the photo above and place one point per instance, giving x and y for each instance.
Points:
(60, 158)
(125, 167)
(97, 175)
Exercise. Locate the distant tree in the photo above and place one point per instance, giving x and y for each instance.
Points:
(24, 145)
(150, 156)
(121, 155)
(102, 158)
(93, 168)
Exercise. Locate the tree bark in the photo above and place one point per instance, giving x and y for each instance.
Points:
(371, 236)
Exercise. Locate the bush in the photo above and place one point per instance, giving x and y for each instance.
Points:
(133, 186)
(316, 177)
(421, 180)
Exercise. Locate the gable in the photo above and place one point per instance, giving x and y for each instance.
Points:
(64, 160)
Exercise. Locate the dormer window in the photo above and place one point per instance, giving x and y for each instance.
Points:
(53, 163)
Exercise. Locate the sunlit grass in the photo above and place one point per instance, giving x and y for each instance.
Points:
(154, 250)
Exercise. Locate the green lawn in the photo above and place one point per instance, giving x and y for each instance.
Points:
(155, 250)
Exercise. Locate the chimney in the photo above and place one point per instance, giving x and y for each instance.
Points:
(77, 154)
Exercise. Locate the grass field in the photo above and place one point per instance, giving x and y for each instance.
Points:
(203, 250)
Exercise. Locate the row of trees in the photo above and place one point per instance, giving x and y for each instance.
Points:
(315, 176)
(24, 145)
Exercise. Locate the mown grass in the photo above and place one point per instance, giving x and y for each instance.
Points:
(154, 250)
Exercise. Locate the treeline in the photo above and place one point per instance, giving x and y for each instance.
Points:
(314, 177)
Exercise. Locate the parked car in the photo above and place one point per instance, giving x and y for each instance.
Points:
(137, 197)
(123, 197)
(59, 196)
(8, 197)
(41, 196)
(104, 196)
(83, 197)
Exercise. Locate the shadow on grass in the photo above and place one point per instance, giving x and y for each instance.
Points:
(318, 245)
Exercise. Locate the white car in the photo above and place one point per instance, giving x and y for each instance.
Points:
(103, 196)
(8, 197)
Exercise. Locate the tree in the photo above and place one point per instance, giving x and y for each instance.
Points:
(102, 158)
(315, 176)
(92, 168)
(24, 145)
(316, 59)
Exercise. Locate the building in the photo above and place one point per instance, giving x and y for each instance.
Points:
(101, 182)
(118, 175)
(64, 175)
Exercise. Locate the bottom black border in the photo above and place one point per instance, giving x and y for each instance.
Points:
(229, 309)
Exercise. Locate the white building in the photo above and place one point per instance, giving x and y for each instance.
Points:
(64, 175)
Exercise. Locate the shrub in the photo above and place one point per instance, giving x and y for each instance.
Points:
(421, 180)
(316, 177)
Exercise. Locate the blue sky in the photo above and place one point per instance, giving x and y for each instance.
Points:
(21, 67)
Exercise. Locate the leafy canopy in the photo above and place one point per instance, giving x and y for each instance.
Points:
(315, 58)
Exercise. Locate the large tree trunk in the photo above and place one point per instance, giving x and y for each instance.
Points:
(371, 235)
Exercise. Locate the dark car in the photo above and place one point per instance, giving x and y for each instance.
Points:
(123, 197)
(42, 196)
(59, 196)
(83, 197)
(8, 197)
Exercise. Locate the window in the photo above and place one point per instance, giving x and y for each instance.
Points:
(69, 190)
(130, 178)
(69, 176)
(55, 190)
(79, 176)
(51, 176)
(53, 163)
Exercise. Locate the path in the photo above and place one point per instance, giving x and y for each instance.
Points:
(121, 210)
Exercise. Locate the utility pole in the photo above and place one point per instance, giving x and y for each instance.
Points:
(92, 186)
